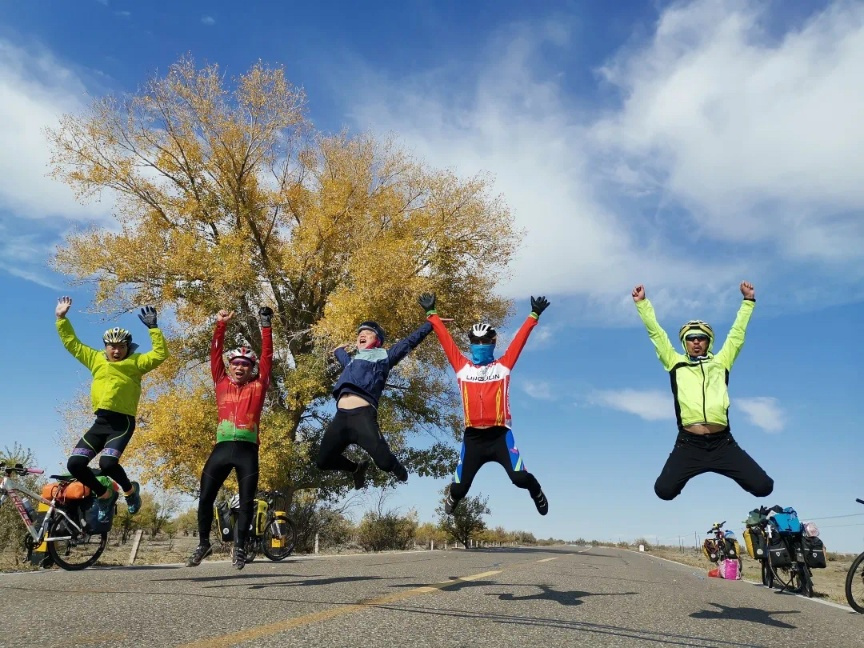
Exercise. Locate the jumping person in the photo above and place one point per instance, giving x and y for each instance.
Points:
(699, 387)
(357, 392)
(114, 393)
(484, 383)
(240, 395)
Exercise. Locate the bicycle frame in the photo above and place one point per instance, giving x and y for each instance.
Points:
(10, 489)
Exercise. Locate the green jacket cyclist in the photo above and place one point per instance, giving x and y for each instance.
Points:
(699, 380)
(117, 370)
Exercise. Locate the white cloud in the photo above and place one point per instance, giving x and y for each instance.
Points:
(726, 139)
(649, 404)
(208, 20)
(540, 389)
(35, 211)
(763, 412)
(759, 137)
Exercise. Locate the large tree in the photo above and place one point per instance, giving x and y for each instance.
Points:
(226, 197)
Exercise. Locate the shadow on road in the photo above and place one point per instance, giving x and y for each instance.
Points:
(548, 594)
(647, 636)
(754, 615)
(232, 581)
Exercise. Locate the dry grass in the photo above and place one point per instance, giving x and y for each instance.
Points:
(828, 583)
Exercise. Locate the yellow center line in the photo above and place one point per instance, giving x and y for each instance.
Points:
(548, 559)
(280, 626)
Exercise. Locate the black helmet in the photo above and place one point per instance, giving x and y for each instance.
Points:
(482, 334)
(375, 328)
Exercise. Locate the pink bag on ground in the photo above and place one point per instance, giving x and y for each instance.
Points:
(729, 570)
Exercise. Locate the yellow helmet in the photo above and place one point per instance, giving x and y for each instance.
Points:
(696, 326)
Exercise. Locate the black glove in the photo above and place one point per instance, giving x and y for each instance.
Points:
(427, 302)
(539, 304)
(265, 314)
(148, 316)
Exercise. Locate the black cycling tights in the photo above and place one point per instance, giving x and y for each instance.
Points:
(242, 456)
(358, 426)
(109, 434)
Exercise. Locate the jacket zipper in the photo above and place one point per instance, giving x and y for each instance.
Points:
(704, 410)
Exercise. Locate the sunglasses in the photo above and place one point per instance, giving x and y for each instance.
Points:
(241, 363)
(696, 338)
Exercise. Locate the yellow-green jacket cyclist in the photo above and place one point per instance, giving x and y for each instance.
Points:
(115, 392)
(699, 386)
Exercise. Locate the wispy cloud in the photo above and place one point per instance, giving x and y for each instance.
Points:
(717, 127)
(208, 20)
(539, 389)
(123, 14)
(763, 412)
(649, 404)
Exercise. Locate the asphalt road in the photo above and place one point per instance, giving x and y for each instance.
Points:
(572, 596)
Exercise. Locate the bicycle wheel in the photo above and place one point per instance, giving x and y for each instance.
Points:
(806, 580)
(855, 584)
(767, 576)
(279, 538)
(788, 578)
(77, 549)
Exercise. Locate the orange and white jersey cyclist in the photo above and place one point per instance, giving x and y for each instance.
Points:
(484, 384)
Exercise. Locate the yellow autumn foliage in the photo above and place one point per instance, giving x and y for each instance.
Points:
(228, 198)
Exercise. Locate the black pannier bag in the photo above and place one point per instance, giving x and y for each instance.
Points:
(814, 553)
(778, 554)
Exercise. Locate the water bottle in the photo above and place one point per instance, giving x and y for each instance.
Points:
(30, 512)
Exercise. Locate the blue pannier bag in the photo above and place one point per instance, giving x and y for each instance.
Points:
(786, 521)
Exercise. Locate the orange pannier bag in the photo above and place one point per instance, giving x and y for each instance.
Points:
(72, 491)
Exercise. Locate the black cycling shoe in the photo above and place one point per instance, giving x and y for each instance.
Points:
(239, 561)
(360, 474)
(200, 553)
(541, 503)
(449, 504)
(401, 473)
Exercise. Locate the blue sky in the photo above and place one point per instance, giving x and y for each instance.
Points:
(686, 146)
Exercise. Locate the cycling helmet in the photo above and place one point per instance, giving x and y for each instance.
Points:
(482, 334)
(375, 328)
(117, 335)
(243, 352)
(699, 327)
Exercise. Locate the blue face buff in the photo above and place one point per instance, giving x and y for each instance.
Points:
(482, 354)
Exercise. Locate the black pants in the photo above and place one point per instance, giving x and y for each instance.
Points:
(480, 446)
(109, 434)
(358, 426)
(719, 453)
(241, 456)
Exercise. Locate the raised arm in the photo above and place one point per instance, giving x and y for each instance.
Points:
(454, 355)
(265, 364)
(80, 351)
(735, 339)
(399, 350)
(665, 351)
(156, 356)
(217, 346)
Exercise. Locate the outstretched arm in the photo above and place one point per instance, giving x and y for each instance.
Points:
(156, 356)
(454, 355)
(538, 305)
(403, 347)
(665, 351)
(735, 339)
(217, 346)
(80, 351)
(265, 364)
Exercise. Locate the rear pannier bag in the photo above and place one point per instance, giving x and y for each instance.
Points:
(709, 548)
(754, 540)
(814, 553)
(778, 554)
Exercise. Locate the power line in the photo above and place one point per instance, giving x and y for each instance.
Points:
(834, 517)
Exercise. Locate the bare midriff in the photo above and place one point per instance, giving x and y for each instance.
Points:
(352, 401)
(704, 428)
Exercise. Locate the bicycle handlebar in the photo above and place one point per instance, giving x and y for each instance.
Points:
(21, 470)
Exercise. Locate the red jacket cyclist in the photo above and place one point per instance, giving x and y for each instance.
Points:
(240, 395)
